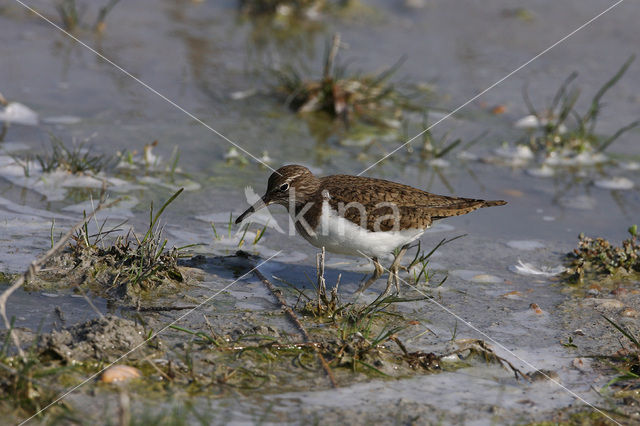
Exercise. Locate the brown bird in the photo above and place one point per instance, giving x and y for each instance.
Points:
(360, 216)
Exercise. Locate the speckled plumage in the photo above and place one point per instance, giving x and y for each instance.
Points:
(417, 209)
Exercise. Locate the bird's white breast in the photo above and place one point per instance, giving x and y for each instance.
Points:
(339, 235)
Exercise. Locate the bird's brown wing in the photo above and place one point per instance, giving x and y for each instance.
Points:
(382, 202)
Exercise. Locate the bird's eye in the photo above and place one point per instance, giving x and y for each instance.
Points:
(284, 187)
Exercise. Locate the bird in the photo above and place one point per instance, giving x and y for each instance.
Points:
(360, 216)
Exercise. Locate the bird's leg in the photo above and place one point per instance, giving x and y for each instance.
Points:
(389, 284)
(394, 277)
(379, 270)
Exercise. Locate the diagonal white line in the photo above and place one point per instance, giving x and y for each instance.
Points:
(145, 85)
(493, 85)
(500, 345)
(71, 390)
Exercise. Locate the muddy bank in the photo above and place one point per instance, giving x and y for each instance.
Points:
(105, 338)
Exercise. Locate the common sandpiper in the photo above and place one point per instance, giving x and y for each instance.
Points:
(360, 216)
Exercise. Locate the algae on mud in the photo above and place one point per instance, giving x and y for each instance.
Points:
(598, 259)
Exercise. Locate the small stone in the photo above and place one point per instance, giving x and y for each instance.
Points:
(578, 332)
(515, 294)
(629, 313)
(536, 308)
(580, 364)
(119, 374)
(499, 109)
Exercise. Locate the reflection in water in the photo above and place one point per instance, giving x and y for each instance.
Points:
(203, 52)
(271, 44)
(573, 189)
(268, 43)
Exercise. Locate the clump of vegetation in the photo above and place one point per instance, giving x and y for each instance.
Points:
(363, 334)
(370, 98)
(68, 161)
(130, 268)
(150, 168)
(71, 15)
(598, 257)
(148, 160)
(76, 160)
(555, 133)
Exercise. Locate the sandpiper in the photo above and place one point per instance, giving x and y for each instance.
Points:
(359, 216)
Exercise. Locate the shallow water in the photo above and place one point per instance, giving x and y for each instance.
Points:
(199, 54)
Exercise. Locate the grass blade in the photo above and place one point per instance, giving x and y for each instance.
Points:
(562, 90)
(624, 331)
(154, 220)
(595, 103)
(604, 145)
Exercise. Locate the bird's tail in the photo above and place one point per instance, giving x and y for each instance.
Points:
(463, 206)
(493, 203)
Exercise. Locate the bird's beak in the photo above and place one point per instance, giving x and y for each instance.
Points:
(262, 202)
